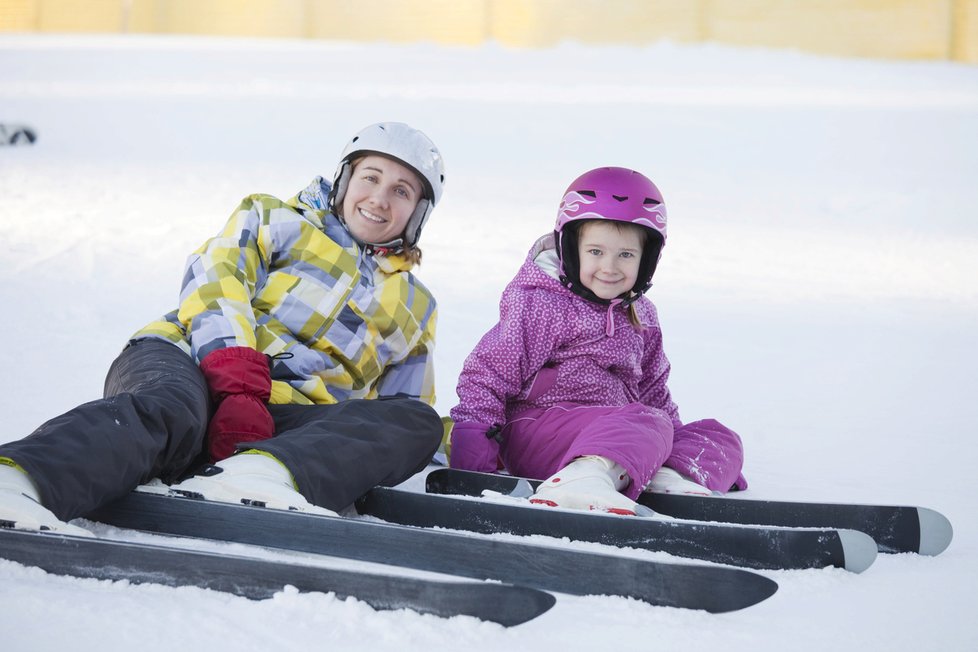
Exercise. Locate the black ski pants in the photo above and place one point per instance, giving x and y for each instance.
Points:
(153, 423)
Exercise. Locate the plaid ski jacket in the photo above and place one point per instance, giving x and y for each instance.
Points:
(287, 279)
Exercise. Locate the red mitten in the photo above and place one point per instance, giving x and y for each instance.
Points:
(240, 384)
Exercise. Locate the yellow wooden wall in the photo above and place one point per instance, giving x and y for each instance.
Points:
(898, 29)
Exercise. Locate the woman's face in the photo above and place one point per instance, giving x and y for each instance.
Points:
(380, 199)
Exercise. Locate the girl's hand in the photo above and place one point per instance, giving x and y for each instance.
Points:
(475, 447)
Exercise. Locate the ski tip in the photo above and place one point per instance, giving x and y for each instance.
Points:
(935, 532)
(859, 550)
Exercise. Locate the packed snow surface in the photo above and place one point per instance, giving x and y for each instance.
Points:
(818, 290)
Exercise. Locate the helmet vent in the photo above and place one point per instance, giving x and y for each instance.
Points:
(620, 197)
(649, 201)
(587, 193)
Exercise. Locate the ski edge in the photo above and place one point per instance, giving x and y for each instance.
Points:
(507, 562)
(846, 549)
(922, 530)
(244, 576)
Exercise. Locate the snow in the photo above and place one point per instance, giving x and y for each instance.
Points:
(818, 290)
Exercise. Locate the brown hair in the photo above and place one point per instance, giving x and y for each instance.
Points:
(633, 318)
(413, 254)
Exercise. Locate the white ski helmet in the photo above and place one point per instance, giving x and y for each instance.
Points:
(411, 148)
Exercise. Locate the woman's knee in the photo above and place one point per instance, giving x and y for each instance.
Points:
(161, 382)
(411, 415)
(149, 364)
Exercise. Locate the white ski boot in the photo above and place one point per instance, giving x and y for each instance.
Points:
(249, 479)
(670, 481)
(589, 483)
(21, 508)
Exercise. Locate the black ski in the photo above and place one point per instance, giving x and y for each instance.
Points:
(711, 588)
(749, 546)
(895, 529)
(257, 578)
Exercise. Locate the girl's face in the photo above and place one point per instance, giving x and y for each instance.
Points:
(380, 199)
(610, 253)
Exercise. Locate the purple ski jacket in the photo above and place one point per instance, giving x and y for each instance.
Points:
(551, 346)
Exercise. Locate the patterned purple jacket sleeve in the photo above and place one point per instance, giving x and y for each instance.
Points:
(654, 388)
(506, 357)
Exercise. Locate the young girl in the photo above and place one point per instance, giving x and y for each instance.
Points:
(299, 359)
(570, 385)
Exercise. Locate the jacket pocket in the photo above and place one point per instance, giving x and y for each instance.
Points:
(542, 382)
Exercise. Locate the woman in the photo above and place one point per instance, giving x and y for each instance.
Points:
(300, 358)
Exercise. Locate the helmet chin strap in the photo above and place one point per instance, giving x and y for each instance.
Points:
(395, 246)
(624, 299)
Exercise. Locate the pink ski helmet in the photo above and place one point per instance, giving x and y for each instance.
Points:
(617, 194)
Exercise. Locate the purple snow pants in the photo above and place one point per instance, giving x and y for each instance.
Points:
(538, 443)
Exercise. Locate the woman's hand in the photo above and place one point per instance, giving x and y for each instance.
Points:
(240, 384)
